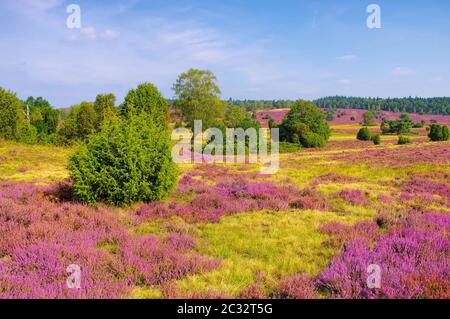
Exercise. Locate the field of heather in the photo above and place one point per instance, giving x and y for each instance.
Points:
(344, 117)
(309, 231)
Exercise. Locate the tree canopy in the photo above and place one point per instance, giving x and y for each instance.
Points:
(198, 98)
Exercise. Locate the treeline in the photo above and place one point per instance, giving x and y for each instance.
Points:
(436, 105)
(36, 121)
(253, 105)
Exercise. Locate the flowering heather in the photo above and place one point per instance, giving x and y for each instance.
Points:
(40, 237)
(311, 199)
(278, 115)
(420, 185)
(341, 234)
(254, 291)
(398, 156)
(296, 287)
(414, 264)
(353, 196)
(225, 194)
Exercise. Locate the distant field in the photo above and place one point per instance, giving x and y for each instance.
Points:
(278, 115)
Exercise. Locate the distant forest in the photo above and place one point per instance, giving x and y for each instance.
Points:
(437, 105)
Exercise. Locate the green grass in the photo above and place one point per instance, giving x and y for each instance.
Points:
(43, 164)
(276, 244)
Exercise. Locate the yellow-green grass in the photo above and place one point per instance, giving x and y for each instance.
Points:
(43, 164)
(275, 244)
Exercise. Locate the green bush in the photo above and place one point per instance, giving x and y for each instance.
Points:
(26, 133)
(402, 140)
(438, 133)
(376, 139)
(364, 134)
(11, 114)
(312, 140)
(305, 122)
(128, 161)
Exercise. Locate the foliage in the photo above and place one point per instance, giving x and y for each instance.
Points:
(305, 123)
(364, 134)
(402, 140)
(198, 98)
(401, 126)
(85, 118)
(146, 98)
(105, 109)
(11, 114)
(376, 139)
(26, 133)
(234, 115)
(369, 119)
(438, 133)
(439, 105)
(42, 116)
(130, 159)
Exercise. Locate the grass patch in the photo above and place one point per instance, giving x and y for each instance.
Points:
(276, 244)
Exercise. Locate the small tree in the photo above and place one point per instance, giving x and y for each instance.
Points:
(368, 118)
(301, 121)
(85, 120)
(129, 160)
(105, 109)
(146, 98)
(11, 114)
(376, 139)
(364, 134)
(438, 133)
(402, 140)
(233, 116)
(198, 98)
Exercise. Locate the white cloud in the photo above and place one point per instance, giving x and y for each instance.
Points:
(109, 34)
(402, 71)
(344, 81)
(91, 34)
(347, 57)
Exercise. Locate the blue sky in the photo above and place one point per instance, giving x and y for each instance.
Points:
(277, 49)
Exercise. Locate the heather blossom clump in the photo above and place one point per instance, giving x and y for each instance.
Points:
(41, 236)
(296, 287)
(413, 260)
(225, 194)
(353, 196)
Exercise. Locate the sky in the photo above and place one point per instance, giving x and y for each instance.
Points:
(258, 49)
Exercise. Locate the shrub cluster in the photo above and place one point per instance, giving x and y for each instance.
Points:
(130, 159)
(402, 140)
(364, 134)
(305, 124)
(439, 133)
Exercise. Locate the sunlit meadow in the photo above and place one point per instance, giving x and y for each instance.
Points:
(227, 231)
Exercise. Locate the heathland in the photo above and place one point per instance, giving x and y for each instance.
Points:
(309, 231)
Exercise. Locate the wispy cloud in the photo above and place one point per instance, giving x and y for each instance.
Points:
(344, 81)
(347, 57)
(91, 34)
(402, 71)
